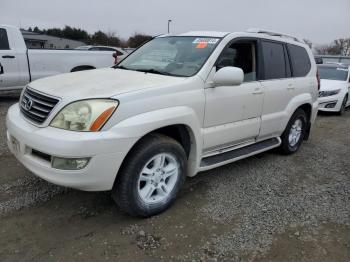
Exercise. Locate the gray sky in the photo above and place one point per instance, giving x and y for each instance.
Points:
(321, 21)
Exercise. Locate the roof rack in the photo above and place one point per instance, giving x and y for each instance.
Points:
(260, 31)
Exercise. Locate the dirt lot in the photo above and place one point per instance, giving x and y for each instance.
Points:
(265, 208)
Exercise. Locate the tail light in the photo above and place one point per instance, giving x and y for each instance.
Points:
(318, 80)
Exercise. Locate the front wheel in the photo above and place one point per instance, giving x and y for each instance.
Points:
(151, 177)
(294, 133)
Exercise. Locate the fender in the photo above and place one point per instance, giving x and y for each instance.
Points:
(274, 124)
(296, 102)
(140, 125)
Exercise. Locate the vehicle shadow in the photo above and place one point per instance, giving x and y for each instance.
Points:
(9, 96)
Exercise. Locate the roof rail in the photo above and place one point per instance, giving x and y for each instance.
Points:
(260, 31)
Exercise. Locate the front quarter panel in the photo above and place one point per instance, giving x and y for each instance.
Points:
(144, 111)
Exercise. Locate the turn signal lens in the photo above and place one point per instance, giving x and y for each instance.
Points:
(102, 119)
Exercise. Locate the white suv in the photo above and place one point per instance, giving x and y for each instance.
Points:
(178, 105)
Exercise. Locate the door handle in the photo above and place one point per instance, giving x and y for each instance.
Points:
(257, 92)
(8, 56)
(290, 87)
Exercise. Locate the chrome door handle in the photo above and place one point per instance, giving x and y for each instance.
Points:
(257, 92)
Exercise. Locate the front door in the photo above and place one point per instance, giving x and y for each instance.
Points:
(232, 113)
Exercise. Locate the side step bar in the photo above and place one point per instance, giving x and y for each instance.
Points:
(237, 154)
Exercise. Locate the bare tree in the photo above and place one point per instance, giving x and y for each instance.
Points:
(342, 46)
(339, 46)
(322, 49)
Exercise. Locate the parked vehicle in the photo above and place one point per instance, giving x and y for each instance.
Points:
(335, 87)
(20, 65)
(120, 52)
(176, 106)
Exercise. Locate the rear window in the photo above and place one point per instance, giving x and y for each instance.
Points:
(301, 64)
(333, 73)
(274, 62)
(4, 42)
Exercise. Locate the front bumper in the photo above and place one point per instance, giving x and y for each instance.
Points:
(107, 150)
(330, 103)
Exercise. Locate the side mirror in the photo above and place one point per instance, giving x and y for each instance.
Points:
(228, 76)
(1, 69)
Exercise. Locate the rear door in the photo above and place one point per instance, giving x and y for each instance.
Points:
(9, 62)
(278, 87)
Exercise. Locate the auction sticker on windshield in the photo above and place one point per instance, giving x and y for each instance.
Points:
(204, 42)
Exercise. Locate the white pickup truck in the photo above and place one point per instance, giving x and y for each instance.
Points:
(19, 65)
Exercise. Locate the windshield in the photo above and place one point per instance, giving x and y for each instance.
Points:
(333, 73)
(175, 55)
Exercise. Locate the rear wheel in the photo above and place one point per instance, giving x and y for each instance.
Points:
(294, 133)
(343, 106)
(150, 180)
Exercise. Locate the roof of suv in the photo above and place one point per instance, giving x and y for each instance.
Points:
(250, 32)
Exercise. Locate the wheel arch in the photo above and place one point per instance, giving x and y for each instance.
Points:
(307, 108)
(182, 133)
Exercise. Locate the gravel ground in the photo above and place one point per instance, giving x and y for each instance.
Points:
(265, 208)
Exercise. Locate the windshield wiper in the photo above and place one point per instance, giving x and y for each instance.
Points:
(154, 71)
(121, 67)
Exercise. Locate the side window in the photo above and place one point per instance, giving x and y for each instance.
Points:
(4, 42)
(274, 60)
(301, 64)
(242, 55)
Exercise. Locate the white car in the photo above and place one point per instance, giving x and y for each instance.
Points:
(335, 88)
(178, 105)
(19, 65)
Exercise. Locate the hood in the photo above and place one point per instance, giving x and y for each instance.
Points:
(99, 83)
(328, 85)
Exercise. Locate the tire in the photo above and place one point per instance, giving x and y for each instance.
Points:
(294, 133)
(157, 163)
(343, 106)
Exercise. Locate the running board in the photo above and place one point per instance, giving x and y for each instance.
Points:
(237, 154)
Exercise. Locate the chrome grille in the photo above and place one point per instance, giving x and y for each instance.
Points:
(36, 106)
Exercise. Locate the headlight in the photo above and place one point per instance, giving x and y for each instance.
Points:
(86, 115)
(328, 93)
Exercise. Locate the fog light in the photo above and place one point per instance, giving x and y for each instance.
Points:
(69, 163)
(331, 105)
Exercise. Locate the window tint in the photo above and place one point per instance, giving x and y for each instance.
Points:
(301, 64)
(241, 55)
(4, 42)
(274, 61)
